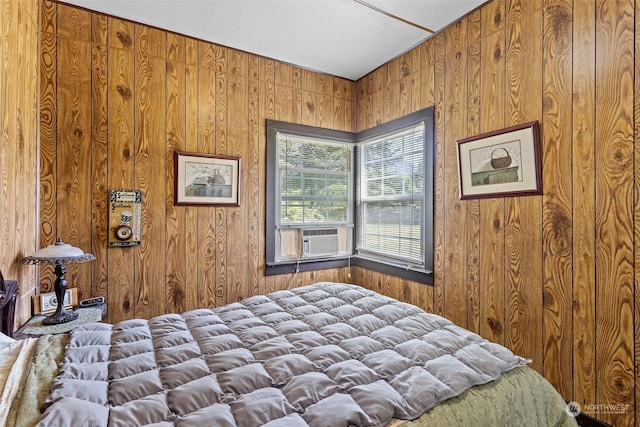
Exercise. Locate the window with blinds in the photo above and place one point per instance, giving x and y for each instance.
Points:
(309, 202)
(391, 202)
(314, 181)
(336, 199)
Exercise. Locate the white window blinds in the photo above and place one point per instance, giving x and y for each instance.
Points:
(391, 197)
(314, 181)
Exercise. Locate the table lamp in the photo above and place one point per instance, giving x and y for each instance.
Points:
(59, 254)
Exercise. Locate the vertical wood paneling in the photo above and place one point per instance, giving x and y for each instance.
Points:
(220, 226)
(20, 196)
(455, 220)
(349, 107)
(439, 176)
(427, 79)
(121, 34)
(550, 276)
(523, 220)
(390, 100)
(309, 107)
(193, 296)
(254, 201)
(99, 158)
(205, 248)
(149, 158)
(473, 207)
(583, 209)
(150, 41)
(492, 259)
(361, 95)
(99, 29)
(237, 218)
(614, 200)
(325, 112)
(557, 223)
(176, 251)
(73, 23)
(267, 110)
(48, 129)
(370, 104)
(284, 103)
(8, 182)
(491, 237)
(28, 42)
(339, 108)
(19, 68)
(74, 145)
(48, 17)
(637, 211)
(297, 107)
(120, 171)
(555, 279)
(144, 93)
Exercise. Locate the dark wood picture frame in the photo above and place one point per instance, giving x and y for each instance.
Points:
(206, 179)
(502, 163)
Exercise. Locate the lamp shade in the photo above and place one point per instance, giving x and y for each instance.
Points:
(58, 253)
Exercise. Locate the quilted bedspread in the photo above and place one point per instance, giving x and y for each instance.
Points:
(329, 354)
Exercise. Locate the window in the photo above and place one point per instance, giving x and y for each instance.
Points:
(394, 216)
(314, 181)
(322, 212)
(309, 197)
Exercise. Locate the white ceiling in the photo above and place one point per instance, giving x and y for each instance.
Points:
(345, 38)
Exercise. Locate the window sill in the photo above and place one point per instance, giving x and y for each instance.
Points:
(392, 270)
(413, 275)
(273, 270)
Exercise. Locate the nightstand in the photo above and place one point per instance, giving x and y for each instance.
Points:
(34, 327)
(8, 294)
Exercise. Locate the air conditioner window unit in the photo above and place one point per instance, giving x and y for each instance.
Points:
(319, 242)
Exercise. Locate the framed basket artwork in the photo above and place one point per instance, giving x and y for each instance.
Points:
(206, 179)
(502, 163)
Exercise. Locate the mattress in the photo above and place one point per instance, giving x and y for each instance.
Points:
(327, 354)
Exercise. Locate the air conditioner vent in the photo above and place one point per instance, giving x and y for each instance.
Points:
(320, 232)
(319, 242)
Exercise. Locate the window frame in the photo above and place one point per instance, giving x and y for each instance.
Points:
(423, 275)
(273, 127)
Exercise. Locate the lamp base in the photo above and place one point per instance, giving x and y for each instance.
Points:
(58, 317)
(60, 287)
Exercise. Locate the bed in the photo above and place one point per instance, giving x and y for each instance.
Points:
(328, 354)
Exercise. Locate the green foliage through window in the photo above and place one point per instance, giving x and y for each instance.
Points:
(375, 188)
(315, 180)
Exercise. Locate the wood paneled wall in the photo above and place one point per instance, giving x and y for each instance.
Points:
(19, 145)
(552, 277)
(117, 99)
